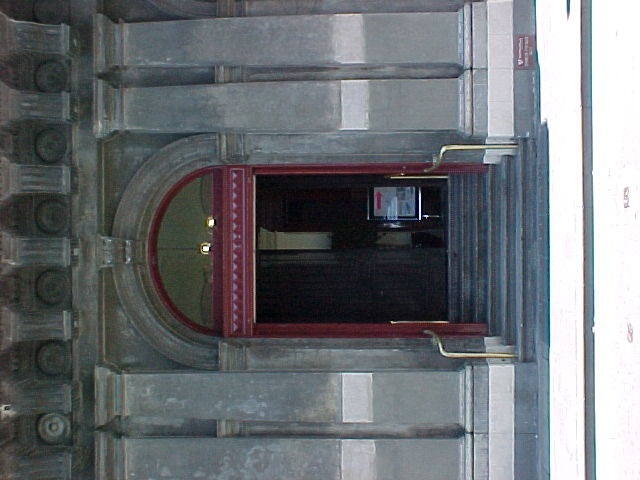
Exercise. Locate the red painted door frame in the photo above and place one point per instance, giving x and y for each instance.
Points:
(238, 251)
(237, 229)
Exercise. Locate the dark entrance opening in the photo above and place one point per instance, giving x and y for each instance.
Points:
(350, 249)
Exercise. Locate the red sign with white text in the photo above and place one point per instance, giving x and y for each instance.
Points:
(525, 52)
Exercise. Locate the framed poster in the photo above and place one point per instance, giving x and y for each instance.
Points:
(394, 203)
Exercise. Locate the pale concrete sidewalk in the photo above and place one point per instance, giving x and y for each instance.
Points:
(616, 171)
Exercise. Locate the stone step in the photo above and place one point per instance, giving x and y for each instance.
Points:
(291, 40)
(342, 354)
(289, 107)
(283, 458)
(425, 397)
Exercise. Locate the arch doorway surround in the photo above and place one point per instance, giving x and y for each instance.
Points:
(241, 287)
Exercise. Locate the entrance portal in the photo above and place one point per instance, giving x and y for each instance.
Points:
(354, 251)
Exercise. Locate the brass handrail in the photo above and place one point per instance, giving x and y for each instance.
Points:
(437, 159)
(437, 341)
